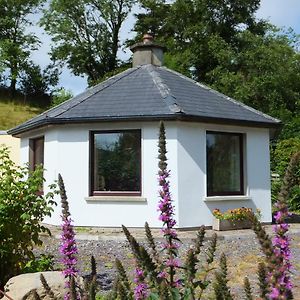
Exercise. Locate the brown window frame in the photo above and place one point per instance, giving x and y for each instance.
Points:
(32, 151)
(241, 191)
(92, 192)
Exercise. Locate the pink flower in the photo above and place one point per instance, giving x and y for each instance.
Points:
(162, 274)
(281, 284)
(141, 291)
(173, 262)
(69, 251)
(274, 293)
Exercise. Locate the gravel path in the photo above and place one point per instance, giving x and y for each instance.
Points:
(241, 248)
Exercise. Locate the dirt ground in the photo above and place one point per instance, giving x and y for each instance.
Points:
(240, 246)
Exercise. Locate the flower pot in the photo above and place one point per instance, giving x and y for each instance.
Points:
(222, 225)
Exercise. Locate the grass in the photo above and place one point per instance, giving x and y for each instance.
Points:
(12, 114)
(79, 229)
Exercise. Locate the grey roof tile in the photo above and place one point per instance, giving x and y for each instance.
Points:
(149, 91)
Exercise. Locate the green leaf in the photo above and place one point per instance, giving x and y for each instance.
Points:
(175, 294)
(153, 296)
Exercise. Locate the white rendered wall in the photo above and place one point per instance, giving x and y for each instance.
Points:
(67, 152)
(194, 207)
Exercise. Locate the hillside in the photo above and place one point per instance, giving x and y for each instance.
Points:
(12, 114)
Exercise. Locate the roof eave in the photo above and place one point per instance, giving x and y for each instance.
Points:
(175, 117)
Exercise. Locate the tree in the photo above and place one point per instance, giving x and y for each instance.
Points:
(86, 34)
(264, 72)
(59, 96)
(186, 27)
(15, 44)
(152, 19)
(36, 82)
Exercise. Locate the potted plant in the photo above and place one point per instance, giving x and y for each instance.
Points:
(233, 218)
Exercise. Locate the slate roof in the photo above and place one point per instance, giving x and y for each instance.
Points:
(150, 92)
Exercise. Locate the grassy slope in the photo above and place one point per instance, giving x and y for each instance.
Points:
(12, 114)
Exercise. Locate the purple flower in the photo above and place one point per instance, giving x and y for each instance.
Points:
(279, 279)
(173, 262)
(141, 289)
(166, 215)
(274, 293)
(68, 249)
(162, 274)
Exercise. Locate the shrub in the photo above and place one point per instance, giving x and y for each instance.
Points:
(282, 154)
(22, 209)
(45, 262)
(60, 96)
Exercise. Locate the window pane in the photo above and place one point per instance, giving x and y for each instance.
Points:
(117, 161)
(36, 152)
(39, 151)
(224, 159)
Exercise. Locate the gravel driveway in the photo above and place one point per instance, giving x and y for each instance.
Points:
(241, 247)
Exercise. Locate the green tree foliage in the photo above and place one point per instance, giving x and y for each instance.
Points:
(86, 34)
(60, 96)
(37, 82)
(16, 44)
(188, 26)
(264, 72)
(22, 209)
(281, 156)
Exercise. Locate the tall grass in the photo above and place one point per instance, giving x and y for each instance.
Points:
(12, 114)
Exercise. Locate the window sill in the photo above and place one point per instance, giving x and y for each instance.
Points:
(107, 199)
(226, 198)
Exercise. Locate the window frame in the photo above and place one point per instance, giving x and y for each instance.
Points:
(242, 189)
(92, 192)
(32, 152)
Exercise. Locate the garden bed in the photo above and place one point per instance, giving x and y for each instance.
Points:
(222, 225)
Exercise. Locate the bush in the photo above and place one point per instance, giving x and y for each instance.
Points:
(45, 262)
(22, 209)
(282, 154)
(60, 96)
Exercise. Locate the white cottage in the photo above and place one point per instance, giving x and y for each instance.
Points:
(104, 143)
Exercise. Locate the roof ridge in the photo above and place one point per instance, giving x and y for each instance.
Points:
(223, 96)
(164, 90)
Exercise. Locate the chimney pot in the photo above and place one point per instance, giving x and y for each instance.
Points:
(147, 38)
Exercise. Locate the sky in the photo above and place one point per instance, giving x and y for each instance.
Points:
(282, 13)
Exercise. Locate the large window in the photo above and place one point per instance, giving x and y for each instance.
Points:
(224, 163)
(36, 152)
(116, 162)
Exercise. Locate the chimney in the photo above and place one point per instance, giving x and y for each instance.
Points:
(147, 52)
